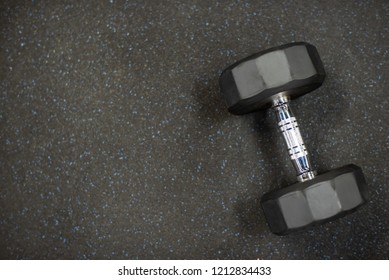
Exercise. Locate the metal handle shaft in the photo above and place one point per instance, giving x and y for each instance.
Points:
(291, 133)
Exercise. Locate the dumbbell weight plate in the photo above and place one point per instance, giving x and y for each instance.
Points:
(253, 83)
(324, 198)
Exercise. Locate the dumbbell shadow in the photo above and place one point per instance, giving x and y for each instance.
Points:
(212, 113)
(325, 112)
(271, 172)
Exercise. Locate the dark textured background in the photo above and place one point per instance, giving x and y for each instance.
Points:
(116, 143)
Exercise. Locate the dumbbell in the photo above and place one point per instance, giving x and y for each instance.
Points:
(272, 78)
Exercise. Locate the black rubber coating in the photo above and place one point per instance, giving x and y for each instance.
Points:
(326, 197)
(250, 84)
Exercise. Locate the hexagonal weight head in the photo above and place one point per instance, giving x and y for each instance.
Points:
(254, 82)
(324, 198)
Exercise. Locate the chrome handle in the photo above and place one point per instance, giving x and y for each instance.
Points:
(289, 128)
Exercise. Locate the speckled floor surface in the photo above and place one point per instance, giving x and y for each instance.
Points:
(116, 143)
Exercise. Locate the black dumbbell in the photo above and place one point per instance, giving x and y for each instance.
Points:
(272, 78)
